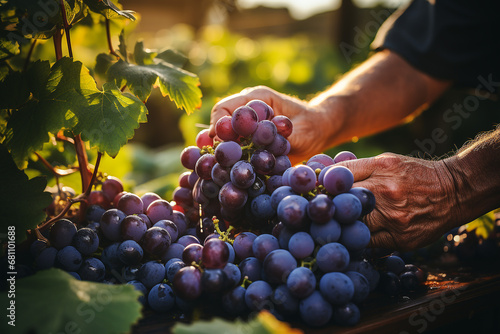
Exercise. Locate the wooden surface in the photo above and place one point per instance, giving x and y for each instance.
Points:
(452, 301)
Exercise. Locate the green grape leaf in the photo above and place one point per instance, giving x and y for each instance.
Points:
(143, 56)
(13, 91)
(52, 301)
(109, 9)
(181, 86)
(53, 92)
(483, 225)
(8, 48)
(22, 205)
(173, 57)
(102, 63)
(122, 46)
(109, 118)
(263, 323)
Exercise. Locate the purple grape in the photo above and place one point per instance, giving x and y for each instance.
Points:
(204, 166)
(279, 194)
(151, 273)
(251, 268)
(187, 283)
(233, 301)
(243, 244)
(158, 210)
(111, 187)
(278, 146)
(224, 129)
(130, 253)
(69, 258)
(156, 241)
(172, 267)
(284, 125)
(46, 259)
(228, 153)
(321, 175)
(361, 286)
(315, 310)
(264, 134)
(213, 281)
(180, 220)
(337, 180)
(326, 233)
(262, 161)
(183, 196)
(273, 183)
(170, 227)
(257, 188)
(292, 211)
(337, 288)
(193, 177)
(92, 269)
(189, 156)
(242, 174)
(174, 251)
(332, 257)
(183, 182)
(233, 274)
(301, 245)
(215, 254)
(347, 314)
(281, 165)
(86, 241)
(61, 233)
(111, 222)
(321, 209)
(133, 228)
(161, 298)
(220, 175)
(149, 198)
(187, 240)
(302, 179)
(130, 204)
(209, 188)
(244, 121)
(192, 253)
(258, 295)
(261, 207)
(344, 156)
(321, 158)
(347, 208)
(232, 197)
(286, 304)
(277, 266)
(355, 236)
(366, 198)
(94, 213)
(263, 245)
(285, 178)
(301, 282)
(263, 110)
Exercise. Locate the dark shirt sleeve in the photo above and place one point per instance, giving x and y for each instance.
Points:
(457, 40)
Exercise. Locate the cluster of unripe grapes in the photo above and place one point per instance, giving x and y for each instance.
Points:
(245, 228)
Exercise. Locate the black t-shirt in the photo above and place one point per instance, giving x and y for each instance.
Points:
(448, 39)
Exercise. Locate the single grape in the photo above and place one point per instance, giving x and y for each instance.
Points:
(361, 286)
(263, 245)
(257, 188)
(258, 296)
(284, 236)
(86, 241)
(187, 283)
(98, 197)
(141, 288)
(233, 301)
(279, 146)
(156, 241)
(220, 175)
(337, 180)
(366, 198)
(346, 315)
(301, 245)
(279, 194)
(215, 254)
(170, 227)
(209, 188)
(145, 219)
(243, 244)
(326, 233)
(224, 129)
(130, 253)
(233, 274)
(149, 198)
(281, 165)
(242, 174)
(321, 175)
(284, 125)
(285, 303)
(92, 269)
(277, 266)
(183, 182)
(366, 269)
(322, 158)
(129, 273)
(292, 211)
(158, 210)
(109, 257)
(315, 310)
(193, 177)
(161, 298)
(332, 257)
(94, 213)
(189, 156)
(228, 153)
(251, 268)
(187, 240)
(111, 222)
(69, 258)
(192, 253)
(172, 267)
(409, 281)
(394, 264)
(133, 228)
(111, 187)
(37, 247)
(232, 197)
(273, 183)
(232, 254)
(203, 139)
(320, 209)
(244, 121)
(302, 179)
(46, 259)
(344, 156)
(263, 110)
(151, 273)
(355, 236)
(347, 208)
(336, 287)
(261, 207)
(181, 221)
(61, 233)
(301, 282)
(262, 161)
(130, 204)
(285, 178)
(183, 196)
(174, 251)
(213, 281)
(264, 133)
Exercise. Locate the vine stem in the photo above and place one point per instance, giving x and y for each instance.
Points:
(110, 44)
(57, 43)
(28, 57)
(81, 154)
(66, 27)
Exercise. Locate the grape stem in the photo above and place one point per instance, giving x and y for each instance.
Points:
(224, 236)
(110, 44)
(246, 282)
(308, 264)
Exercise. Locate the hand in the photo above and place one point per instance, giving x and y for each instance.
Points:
(415, 199)
(310, 124)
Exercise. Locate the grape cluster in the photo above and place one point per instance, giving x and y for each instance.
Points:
(246, 231)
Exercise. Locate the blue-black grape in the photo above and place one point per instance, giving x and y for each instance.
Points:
(242, 174)
(315, 310)
(187, 283)
(257, 188)
(133, 228)
(326, 233)
(258, 296)
(233, 301)
(301, 282)
(251, 268)
(151, 273)
(92, 269)
(277, 266)
(172, 267)
(361, 286)
(61, 233)
(111, 222)
(263, 245)
(156, 241)
(214, 280)
(86, 241)
(355, 236)
(347, 208)
(321, 209)
(142, 289)
(279, 194)
(130, 252)
(170, 227)
(161, 298)
(232, 197)
(69, 258)
(366, 198)
(346, 315)
(292, 211)
(285, 303)
(301, 245)
(332, 257)
(243, 244)
(46, 259)
(233, 274)
(215, 254)
(336, 287)
(262, 161)
(158, 210)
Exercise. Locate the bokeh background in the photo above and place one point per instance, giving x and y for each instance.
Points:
(298, 47)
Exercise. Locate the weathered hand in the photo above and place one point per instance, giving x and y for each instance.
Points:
(309, 132)
(415, 198)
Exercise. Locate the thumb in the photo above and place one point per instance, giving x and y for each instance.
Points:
(362, 169)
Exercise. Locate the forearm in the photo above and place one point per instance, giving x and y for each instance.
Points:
(475, 173)
(381, 93)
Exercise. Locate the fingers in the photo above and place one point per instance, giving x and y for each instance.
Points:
(227, 105)
(362, 169)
